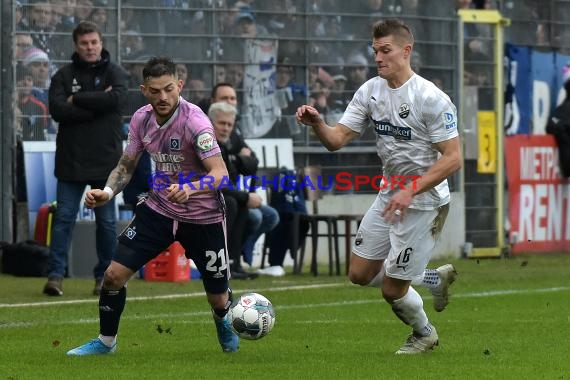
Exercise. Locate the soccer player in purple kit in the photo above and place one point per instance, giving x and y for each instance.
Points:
(181, 140)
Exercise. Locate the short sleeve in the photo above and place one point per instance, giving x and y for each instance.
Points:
(134, 141)
(440, 117)
(205, 143)
(357, 113)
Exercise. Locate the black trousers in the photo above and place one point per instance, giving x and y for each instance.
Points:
(236, 221)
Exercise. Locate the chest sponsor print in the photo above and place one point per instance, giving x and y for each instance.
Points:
(385, 128)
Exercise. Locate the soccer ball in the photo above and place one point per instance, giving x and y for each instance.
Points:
(252, 316)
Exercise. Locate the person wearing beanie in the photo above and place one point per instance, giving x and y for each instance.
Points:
(86, 98)
(36, 61)
(559, 125)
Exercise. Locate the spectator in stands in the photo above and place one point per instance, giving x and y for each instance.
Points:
(23, 42)
(86, 98)
(132, 45)
(290, 96)
(219, 74)
(239, 159)
(83, 10)
(281, 19)
(227, 20)
(357, 71)
(67, 9)
(63, 22)
(260, 219)
(100, 17)
(196, 90)
(20, 22)
(41, 27)
(129, 19)
(37, 61)
(34, 113)
(183, 74)
(338, 99)
(234, 75)
(293, 49)
(222, 92)
(135, 98)
(57, 13)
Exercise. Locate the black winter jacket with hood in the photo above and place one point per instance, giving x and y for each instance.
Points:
(89, 137)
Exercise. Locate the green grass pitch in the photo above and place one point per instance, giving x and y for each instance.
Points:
(508, 319)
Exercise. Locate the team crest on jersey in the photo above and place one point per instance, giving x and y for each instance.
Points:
(175, 143)
(449, 120)
(404, 110)
(205, 141)
(130, 233)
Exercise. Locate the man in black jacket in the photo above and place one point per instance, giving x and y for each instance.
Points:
(86, 98)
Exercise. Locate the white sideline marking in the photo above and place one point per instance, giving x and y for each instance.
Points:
(278, 289)
(206, 313)
(165, 296)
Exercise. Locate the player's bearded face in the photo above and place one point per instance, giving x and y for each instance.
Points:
(162, 93)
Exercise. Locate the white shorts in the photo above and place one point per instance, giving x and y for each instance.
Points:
(405, 246)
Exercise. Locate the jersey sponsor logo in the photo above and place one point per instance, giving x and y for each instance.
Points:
(175, 143)
(205, 142)
(404, 110)
(166, 162)
(384, 128)
(449, 121)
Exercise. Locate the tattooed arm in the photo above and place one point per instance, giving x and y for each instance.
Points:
(118, 179)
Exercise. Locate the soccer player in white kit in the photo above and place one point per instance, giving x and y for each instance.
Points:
(181, 207)
(416, 125)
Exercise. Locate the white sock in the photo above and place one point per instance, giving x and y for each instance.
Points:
(430, 279)
(108, 341)
(377, 280)
(410, 309)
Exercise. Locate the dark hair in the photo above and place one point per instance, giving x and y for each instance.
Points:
(85, 27)
(218, 85)
(159, 66)
(393, 27)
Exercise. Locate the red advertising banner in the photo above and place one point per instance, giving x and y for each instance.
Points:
(539, 199)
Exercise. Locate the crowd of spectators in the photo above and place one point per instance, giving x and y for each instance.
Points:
(323, 45)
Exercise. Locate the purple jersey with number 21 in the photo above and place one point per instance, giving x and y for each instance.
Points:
(177, 149)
